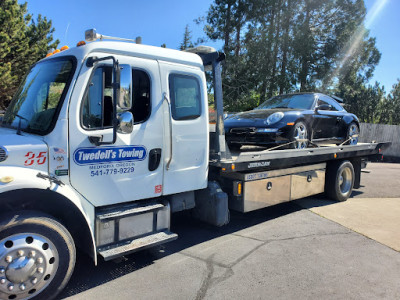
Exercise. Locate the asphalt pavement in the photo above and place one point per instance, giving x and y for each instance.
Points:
(308, 249)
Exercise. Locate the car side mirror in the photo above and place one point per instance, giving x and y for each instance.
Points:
(125, 122)
(323, 107)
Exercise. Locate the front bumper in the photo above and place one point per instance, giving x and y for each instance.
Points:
(250, 136)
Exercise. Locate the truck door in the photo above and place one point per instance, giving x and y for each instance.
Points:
(186, 139)
(131, 168)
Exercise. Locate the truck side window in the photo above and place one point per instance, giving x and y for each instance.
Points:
(97, 103)
(141, 107)
(185, 97)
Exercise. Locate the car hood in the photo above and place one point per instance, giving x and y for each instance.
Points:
(258, 114)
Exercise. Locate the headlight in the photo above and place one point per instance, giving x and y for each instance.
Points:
(275, 117)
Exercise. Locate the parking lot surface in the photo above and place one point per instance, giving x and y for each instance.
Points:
(310, 249)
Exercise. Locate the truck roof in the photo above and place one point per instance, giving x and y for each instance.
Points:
(132, 49)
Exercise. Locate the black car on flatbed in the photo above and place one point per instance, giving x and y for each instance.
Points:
(295, 120)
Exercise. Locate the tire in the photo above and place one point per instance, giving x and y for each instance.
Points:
(298, 131)
(39, 256)
(352, 130)
(339, 180)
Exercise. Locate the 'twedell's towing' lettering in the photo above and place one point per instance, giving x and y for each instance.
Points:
(85, 156)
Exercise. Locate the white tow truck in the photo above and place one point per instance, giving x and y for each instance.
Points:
(104, 141)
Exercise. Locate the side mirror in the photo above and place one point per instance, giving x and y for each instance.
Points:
(125, 91)
(125, 122)
(323, 107)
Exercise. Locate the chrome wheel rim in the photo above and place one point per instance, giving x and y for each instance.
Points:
(345, 181)
(353, 134)
(300, 133)
(28, 263)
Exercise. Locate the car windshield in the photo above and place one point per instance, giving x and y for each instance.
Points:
(39, 95)
(300, 101)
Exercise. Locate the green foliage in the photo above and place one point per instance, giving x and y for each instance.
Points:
(187, 39)
(23, 41)
(282, 46)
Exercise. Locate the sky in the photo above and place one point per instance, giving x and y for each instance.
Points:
(164, 21)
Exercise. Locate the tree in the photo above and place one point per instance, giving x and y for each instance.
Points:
(392, 106)
(23, 41)
(280, 46)
(187, 39)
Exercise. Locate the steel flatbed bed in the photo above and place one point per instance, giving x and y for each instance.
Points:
(250, 159)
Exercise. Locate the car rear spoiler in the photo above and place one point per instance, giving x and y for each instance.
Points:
(338, 99)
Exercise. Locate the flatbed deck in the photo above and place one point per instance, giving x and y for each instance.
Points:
(257, 158)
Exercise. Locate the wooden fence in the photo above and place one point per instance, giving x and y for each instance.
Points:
(382, 133)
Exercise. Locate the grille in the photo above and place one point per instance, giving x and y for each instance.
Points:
(3, 154)
(243, 130)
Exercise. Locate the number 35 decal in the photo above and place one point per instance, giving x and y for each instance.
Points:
(40, 158)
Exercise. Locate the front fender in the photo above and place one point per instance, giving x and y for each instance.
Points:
(19, 179)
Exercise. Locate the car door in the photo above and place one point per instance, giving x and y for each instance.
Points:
(325, 121)
(128, 169)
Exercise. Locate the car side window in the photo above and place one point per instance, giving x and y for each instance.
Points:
(322, 102)
(335, 105)
(97, 110)
(185, 97)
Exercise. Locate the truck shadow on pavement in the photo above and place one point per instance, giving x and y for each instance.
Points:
(191, 232)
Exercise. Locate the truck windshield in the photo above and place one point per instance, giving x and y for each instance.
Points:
(39, 96)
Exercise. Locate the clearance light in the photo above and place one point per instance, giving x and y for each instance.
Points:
(335, 155)
(233, 167)
(6, 179)
(56, 51)
(239, 188)
(290, 124)
(81, 43)
(224, 169)
(49, 54)
(64, 48)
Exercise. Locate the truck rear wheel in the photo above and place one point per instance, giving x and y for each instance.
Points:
(339, 180)
(37, 256)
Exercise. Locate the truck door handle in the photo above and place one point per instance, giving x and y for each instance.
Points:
(170, 130)
(154, 159)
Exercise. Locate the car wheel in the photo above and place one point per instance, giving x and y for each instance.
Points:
(299, 136)
(352, 134)
(339, 181)
(37, 256)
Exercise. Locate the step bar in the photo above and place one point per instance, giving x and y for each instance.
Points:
(127, 228)
(126, 248)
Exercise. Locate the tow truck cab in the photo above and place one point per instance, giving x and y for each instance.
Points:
(91, 131)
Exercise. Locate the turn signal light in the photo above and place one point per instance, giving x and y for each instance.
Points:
(290, 124)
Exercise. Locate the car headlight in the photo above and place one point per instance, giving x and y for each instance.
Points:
(275, 117)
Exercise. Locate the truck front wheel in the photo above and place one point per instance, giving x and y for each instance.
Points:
(339, 180)
(37, 256)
